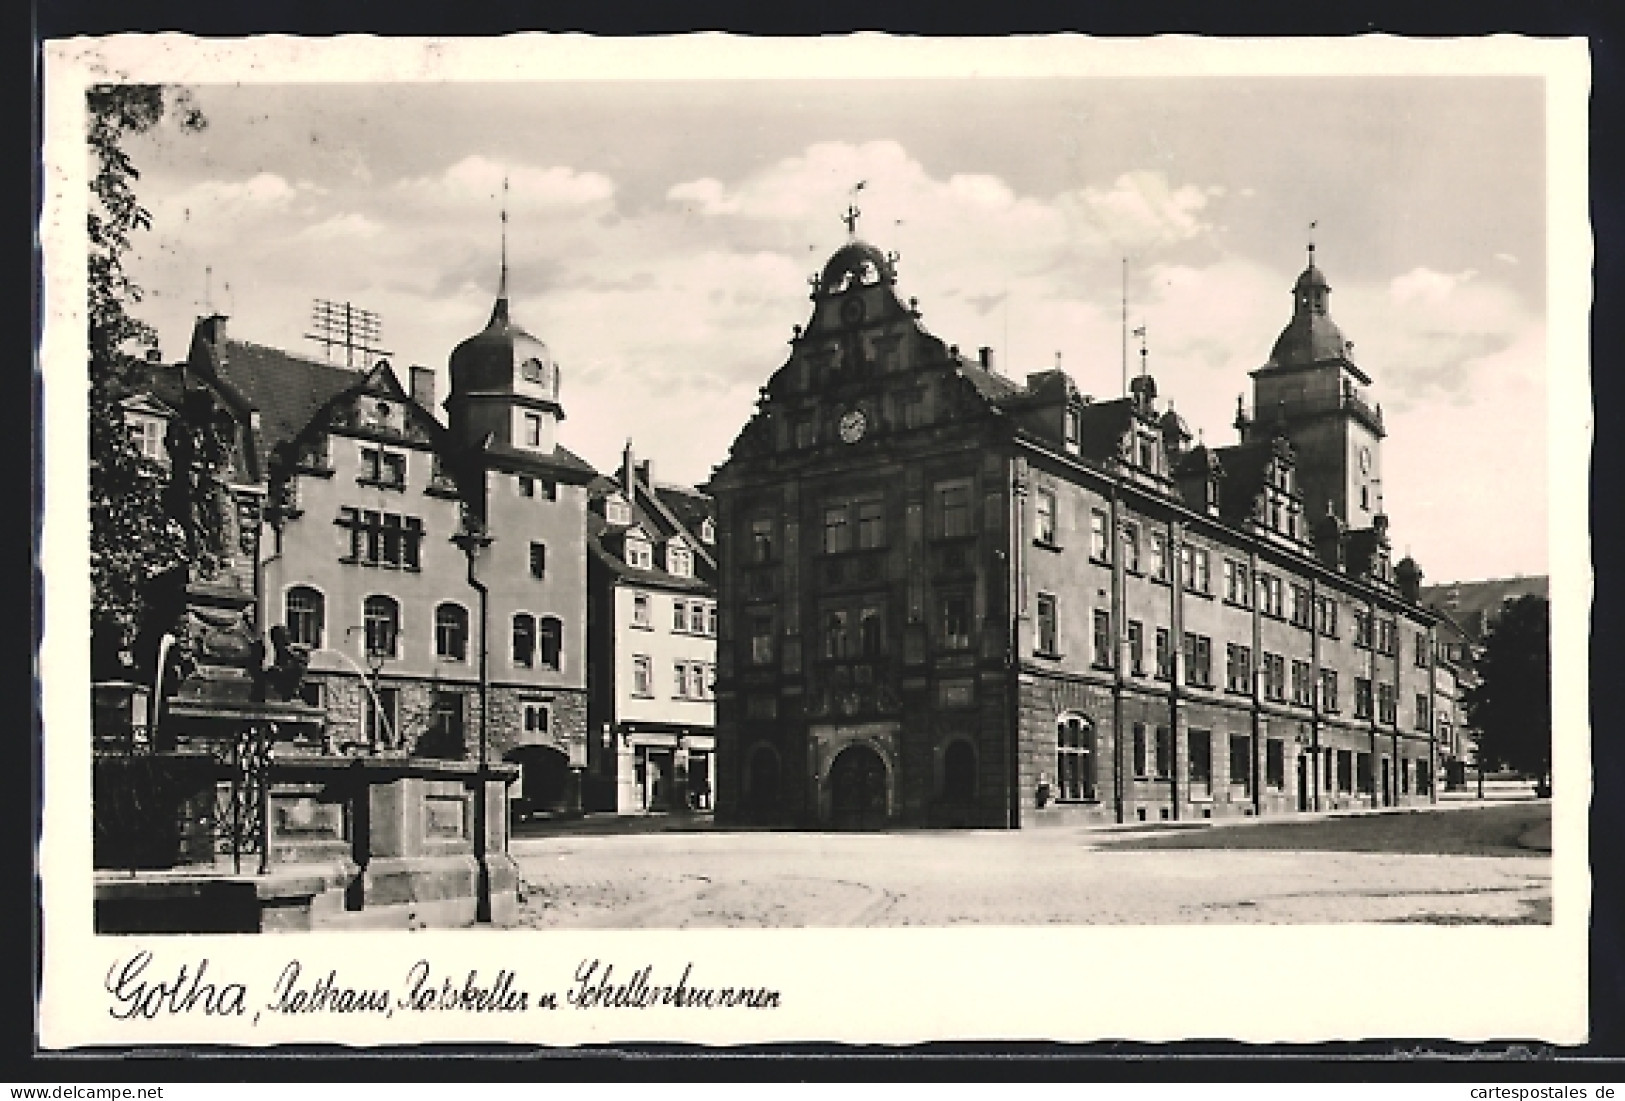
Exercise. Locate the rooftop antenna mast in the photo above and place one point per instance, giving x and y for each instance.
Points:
(208, 289)
(1125, 326)
(342, 325)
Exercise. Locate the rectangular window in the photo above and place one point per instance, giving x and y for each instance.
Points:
(1075, 759)
(1048, 634)
(1345, 770)
(538, 560)
(1098, 547)
(1198, 660)
(1275, 763)
(1424, 777)
(837, 536)
(680, 679)
(761, 540)
(393, 472)
(1044, 518)
(1165, 655)
(446, 719)
(1159, 556)
(383, 538)
(640, 610)
(1131, 547)
(1269, 594)
(1241, 762)
(836, 633)
(1104, 658)
(1165, 754)
(956, 692)
(679, 617)
(954, 513)
(1136, 648)
(533, 430)
(696, 618)
(1195, 564)
(1362, 698)
(761, 640)
(711, 620)
(1140, 761)
(955, 621)
(1074, 428)
(642, 675)
(1362, 628)
(1362, 773)
(1200, 761)
(1387, 705)
(1237, 586)
(1302, 685)
(1423, 718)
(1302, 615)
(1328, 690)
(1386, 636)
(1274, 677)
(1421, 649)
(1238, 668)
(525, 485)
(871, 524)
(1326, 616)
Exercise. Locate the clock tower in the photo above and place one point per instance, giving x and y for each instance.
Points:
(1313, 390)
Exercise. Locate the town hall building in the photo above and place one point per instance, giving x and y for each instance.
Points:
(948, 597)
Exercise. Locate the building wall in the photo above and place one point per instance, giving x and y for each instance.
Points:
(312, 551)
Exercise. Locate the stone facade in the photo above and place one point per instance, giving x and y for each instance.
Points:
(948, 598)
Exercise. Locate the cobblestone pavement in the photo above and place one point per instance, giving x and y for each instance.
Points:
(719, 878)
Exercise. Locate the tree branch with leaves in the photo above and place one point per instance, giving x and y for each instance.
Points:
(133, 538)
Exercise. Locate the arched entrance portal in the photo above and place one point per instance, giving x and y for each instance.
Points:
(544, 780)
(857, 782)
(762, 785)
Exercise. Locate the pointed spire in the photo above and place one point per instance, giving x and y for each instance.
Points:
(502, 283)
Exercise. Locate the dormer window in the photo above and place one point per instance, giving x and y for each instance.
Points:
(679, 561)
(1074, 428)
(1148, 455)
(639, 554)
(533, 430)
(617, 511)
(708, 531)
(147, 434)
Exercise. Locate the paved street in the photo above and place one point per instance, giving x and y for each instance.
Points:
(1459, 864)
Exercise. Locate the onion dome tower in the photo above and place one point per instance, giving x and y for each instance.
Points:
(504, 382)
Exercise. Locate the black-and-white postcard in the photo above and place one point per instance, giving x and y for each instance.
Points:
(851, 539)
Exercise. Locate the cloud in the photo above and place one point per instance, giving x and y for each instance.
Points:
(475, 182)
(341, 227)
(1427, 285)
(1506, 258)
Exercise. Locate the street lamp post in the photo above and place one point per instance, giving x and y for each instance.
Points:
(472, 540)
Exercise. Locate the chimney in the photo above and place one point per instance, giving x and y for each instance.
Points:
(423, 386)
(628, 468)
(985, 354)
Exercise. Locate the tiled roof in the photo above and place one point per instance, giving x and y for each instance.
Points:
(287, 390)
(989, 385)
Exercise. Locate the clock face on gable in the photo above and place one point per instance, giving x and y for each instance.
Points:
(853, 425)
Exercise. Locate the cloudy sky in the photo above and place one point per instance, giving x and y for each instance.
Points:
(661, 235)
